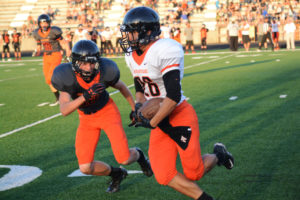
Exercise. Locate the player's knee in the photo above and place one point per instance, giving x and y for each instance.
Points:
(193, 176)
(125, 162)
(165, 178)
(86, 169)
(195, 173)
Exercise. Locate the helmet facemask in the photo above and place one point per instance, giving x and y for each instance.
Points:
(145, 36)
(142, 22)
(44, 18)
(87, 76)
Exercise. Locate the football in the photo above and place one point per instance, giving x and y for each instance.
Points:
(150, 107)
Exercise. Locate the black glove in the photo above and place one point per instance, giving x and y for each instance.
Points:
(133, 114)
(95, 89)
(144, 122)
(180, 134)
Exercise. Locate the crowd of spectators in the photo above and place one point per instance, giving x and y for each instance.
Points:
(253, 10)
(174, 19)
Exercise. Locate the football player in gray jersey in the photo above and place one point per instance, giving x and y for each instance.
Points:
(50, 37)
(82, 84)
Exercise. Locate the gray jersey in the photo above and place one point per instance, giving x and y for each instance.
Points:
(50, 39)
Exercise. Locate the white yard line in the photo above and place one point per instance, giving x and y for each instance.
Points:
(27, 76)
(30, 125)
(205, 62)
(44, 120)
(112, 93)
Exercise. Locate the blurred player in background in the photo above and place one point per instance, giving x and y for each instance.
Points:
(16, 41)
(50, 37)
(157, 67)
(5, 42)
(203, 32)
(83, 86)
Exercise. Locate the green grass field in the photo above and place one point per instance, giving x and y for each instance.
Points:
(236, 97)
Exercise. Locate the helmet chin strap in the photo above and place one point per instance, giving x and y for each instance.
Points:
(139, 51)
(88, 76)
(45, 29)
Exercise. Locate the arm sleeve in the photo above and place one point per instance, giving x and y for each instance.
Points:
(58, 78)
(170, 58)
(172, 85)
(35, 36)
(138, 86)
(111, 72)
(57, 32)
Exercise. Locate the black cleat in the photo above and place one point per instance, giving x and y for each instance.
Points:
(114, 184)
(224, 157)
(144, 163)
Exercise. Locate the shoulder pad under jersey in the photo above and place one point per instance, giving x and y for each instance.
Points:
(56, 31)
(35, 34)
(169, 48)
(110, 73)
(63, 77)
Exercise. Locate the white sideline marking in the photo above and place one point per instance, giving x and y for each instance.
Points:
(253, 61)
(2, 104)
(205, 62)
(46, 119)
(43, 104)
(198, 57)
(112, 93)
(7, 70)
(18, 176)
(283, 96)
(32, 69)
(233, 98)
(242, 56)
(12, 65)
(213, 56)
(9, 79)
(227, 62)
(277, 60)
(30, 125)
(78, 173)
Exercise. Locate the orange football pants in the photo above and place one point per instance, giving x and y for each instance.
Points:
(163, 150)
(50, 62)
(107, 119)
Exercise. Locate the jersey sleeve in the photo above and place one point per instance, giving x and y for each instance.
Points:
(110, 73)
(36, 36)
(170, 58)
(57, 32)
(62, 77)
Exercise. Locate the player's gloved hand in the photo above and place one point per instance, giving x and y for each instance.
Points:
(95, 89)
(143, 122)
(133, 114)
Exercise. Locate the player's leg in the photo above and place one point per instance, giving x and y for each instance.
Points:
(16, 51)
(163, 153)
(50, 63)
(8, 52)
(87, 138)
(112, 125)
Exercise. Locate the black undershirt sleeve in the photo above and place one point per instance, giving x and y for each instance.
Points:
(172, 85)
(138, 86)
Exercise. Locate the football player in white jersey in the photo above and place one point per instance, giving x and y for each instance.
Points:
(157, 67)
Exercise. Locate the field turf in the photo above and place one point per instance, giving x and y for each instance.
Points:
(248, 101)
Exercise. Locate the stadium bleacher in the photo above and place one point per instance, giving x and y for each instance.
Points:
(14, 13)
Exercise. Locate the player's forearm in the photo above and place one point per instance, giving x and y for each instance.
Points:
(139, 97)
(167, 106)
(120, 85)
(68, 107)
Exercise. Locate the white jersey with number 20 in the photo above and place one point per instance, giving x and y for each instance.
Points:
(162, 56)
